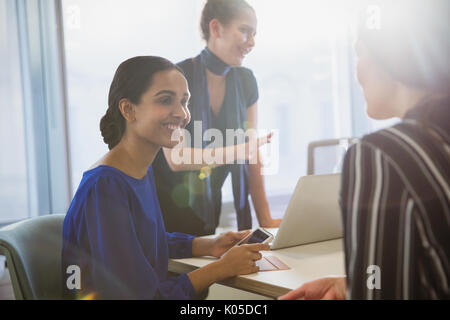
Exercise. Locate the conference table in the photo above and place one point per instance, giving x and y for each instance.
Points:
(307, 262)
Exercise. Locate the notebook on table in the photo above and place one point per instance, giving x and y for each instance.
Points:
(271, 263)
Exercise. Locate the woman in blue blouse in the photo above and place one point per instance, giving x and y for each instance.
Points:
(113, 230)
(224, 96)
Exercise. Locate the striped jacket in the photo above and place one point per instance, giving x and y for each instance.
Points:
(395, 198)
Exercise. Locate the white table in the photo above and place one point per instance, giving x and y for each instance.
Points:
(307, 262)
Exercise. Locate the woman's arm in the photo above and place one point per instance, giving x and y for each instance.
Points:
(216, 247)
(238, 260)
(256, 181)
(234, 260)
(192, 159)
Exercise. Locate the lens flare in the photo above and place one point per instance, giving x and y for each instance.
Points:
(90, 296)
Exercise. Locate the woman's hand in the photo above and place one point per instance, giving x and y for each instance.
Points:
(242, 259)
(331, 288)
(238, 260)
(248, 150)
(224, 242)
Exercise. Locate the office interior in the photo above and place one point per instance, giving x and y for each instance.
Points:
(58, 58)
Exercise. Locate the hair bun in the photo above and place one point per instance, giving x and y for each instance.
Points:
(223, 10)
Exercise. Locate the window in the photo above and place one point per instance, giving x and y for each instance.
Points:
(101, 34)
(34, 162)
(13, 168)
(303, 71)
(303, 61)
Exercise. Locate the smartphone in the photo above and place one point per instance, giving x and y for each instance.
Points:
(259, 235)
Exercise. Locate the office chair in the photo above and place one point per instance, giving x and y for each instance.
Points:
(33, 256)
(334, 149)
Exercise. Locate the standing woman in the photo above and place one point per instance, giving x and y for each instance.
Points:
(224, 96)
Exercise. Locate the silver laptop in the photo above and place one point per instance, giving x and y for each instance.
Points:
(313, 213)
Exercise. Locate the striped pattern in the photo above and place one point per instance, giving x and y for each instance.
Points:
(395, 200)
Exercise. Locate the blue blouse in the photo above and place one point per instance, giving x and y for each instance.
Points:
(115, 234)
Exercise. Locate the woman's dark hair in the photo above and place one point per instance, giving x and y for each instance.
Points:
(223, 10)
(132, 79)
(409, 39)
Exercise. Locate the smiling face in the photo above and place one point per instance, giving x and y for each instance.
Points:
(233, 41)
(162, 111)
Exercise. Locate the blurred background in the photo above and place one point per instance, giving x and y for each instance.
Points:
(57, 59)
